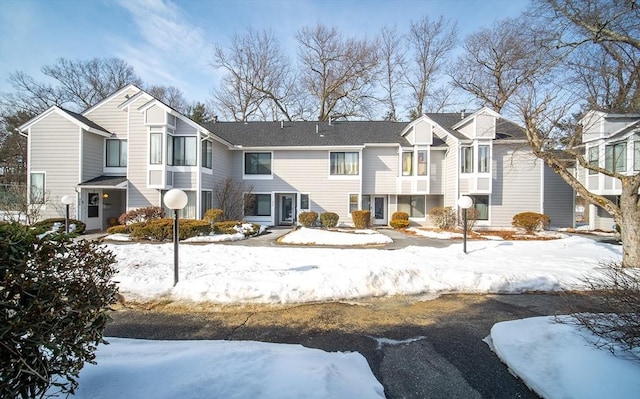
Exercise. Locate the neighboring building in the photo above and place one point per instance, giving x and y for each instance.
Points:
(611, 141)
(126, 151)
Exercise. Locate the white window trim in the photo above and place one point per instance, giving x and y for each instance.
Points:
(344, 177)
(359, 203)
(256, 176)
(44, 188)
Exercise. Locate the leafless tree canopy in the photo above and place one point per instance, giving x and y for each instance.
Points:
(170, 95)
(392, 56)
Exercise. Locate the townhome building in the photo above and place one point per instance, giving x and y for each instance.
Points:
(611, 141)
(128, 150)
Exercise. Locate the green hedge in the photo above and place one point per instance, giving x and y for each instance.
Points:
(329, 219)
(47, 225)
(162, 229)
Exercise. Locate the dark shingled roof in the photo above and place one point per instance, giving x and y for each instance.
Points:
(303, 133)
(105, 181)
(86, 121)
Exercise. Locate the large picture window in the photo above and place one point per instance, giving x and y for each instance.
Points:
(182, 151)
(414, 205)
(615, 157)
(257, 163)
(207, 154)
(484, 159)
(37, 188)
(466, 160)
(481, 204)
(155, 153)
(257, 205)
(593, 159)
(189, 211)
(344, 163)
(116, 153)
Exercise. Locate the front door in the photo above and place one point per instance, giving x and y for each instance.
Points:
(379, 210)
(93, 210)
(286, 209)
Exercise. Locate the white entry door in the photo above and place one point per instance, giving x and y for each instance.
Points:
(286, 209)
(379, 210)
(93, 210)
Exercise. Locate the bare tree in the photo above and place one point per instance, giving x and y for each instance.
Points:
(338, 72)
(392, 56)
(431, 43)
(596, 26)
(170, 95)
(80, 84)
(230, 197)
(259, 80)
(497, 62)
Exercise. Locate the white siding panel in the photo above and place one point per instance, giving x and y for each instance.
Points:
(110, 117)
(380, 170)
(139, 195)
(92, 155)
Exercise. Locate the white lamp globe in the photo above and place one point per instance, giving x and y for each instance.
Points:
(67, 200)
(465, 202)
(175, 199)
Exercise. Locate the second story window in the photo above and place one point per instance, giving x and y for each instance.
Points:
(207, 154)
(182, 150)
(483, 159)
(466, 160)
(116, 153)
(593, 159)
(407, 163)
(344, 163)
(615, 157)
(422, 163)
(155, 145)
(257, 163)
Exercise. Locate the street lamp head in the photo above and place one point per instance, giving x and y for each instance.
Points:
(175, 199)
(66, 200)
(465, 202)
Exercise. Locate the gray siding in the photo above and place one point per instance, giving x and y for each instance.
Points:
(185, 180)
(155, 115)
(380, 170)
(92, 155)
(559, 200)
(517, 175)
(451, 173)
(110, 117)
(183, 128)
(54, 149)
(437, 172)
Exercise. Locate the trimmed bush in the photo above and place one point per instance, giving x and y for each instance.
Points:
(308, 219)
(47, 225)
(400, 216)
(329, 219)
(443, 217)
(531, 221)
(213, 215)
(361, 219)
(162, 229)
(226, 227)
(54, 301)
(118, 229)
(399, 223)
(141, 215)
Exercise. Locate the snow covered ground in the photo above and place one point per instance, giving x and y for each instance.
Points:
(554, 359)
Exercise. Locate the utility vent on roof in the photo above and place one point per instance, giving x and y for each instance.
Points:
(462, 114)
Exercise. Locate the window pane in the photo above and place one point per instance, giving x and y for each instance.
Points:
(257, 163)
(123, 152)
(207, 154)
(417, 206)
(207, 201)
(636, 155)
(422, 163)
(344, 163)
(366, 202)
(353, 202)
(113, 153)
(257, 204)
(190, 151)
(466, 162)
(620, 157)
(304, 201)
(593, 159)
(608, 157)
(178, 151)
(156, 149)
(407, 162)
(170, 150)
(483, 159)
(404, 204)
(37, 188)
(481, 204)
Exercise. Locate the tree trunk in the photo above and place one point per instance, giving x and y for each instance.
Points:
(630, 224)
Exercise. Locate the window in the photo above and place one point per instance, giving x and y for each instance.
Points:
(353, 202)
(189, 211)
(36, 191)
(155, 144)
(636, 156)
(207, 154)
(207, 201)
(414, 205)
(407, 163)
(257, 205)
(466, 160)
(481, 204)
(257, 163)
(181, 151)
(483, 159)
(116, 153)
(422, 163)
(344, 163)
(615, 157)
(304, 201)
(593, 159)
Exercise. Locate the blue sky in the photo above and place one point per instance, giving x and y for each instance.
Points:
(170, 42)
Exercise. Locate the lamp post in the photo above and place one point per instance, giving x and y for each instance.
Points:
(66, 201)
(465, 202)
(175, 199)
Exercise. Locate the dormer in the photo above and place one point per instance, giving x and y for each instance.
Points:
(420, 132)
(478, 125)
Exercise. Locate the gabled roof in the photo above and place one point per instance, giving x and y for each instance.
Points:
(505, 129)
(309, 134)
(73, 117)
(108, 98)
